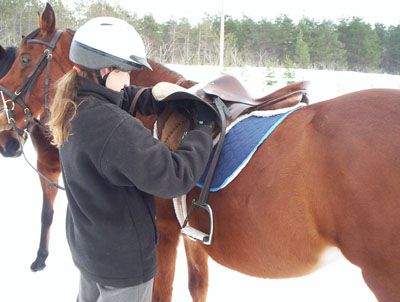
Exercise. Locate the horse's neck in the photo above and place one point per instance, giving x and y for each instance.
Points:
(160, 73)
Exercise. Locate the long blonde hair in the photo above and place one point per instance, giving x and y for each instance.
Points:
(63, 107)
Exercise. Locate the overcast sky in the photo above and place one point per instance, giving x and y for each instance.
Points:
(383, 11)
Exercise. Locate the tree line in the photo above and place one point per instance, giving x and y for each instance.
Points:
(350, 44)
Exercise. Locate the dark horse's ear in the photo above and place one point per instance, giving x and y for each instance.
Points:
(47, 20)
(2, 52)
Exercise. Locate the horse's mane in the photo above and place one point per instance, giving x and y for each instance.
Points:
(7, 61)
(162, 69)
(30, 36)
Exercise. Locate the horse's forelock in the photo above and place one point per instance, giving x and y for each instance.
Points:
(32, 35)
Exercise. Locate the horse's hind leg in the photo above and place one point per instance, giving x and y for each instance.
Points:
(384, 280)
(197, 269)
(48, 164)
(371, 241)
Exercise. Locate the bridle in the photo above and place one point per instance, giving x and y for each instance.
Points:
(25, 88)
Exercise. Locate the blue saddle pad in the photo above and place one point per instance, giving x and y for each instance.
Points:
(241, 142)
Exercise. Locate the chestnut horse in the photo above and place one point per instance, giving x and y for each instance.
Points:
(328, 176)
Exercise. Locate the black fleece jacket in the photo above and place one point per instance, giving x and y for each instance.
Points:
(112, 166)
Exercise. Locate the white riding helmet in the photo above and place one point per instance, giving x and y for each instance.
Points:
(108, 42)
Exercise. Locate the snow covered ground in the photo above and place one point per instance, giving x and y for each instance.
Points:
(325, 84)
(20, 206)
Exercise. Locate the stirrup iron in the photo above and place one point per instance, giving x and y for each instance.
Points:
(197, 234)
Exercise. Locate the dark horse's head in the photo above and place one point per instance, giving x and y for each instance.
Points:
(9, 144)
(7, 57)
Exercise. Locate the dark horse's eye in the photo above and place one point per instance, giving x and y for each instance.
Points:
(25, 60)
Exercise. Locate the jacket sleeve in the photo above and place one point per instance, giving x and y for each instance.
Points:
(133, 157)
(146, 104)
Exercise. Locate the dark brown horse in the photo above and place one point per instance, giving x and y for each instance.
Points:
(328, 176)
(7, 57)
(9, 144)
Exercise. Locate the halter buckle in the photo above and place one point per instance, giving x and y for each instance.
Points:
(48, 53)
(7, 111)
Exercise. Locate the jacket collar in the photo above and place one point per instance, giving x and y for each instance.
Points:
(88, 88)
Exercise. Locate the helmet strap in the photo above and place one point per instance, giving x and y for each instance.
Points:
(102, 80)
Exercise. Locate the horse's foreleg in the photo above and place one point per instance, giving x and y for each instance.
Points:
(166, 258)
(49, 195)
(48, 164)
(197, 269)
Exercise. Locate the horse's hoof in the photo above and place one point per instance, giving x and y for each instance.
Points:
(38, 265)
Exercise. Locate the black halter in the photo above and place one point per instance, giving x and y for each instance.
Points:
(16, 97)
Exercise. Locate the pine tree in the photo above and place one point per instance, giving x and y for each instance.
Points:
(270, 78)
(289, 73)
(301, 53)
(361, 44)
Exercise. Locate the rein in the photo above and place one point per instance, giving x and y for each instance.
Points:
(25, 89)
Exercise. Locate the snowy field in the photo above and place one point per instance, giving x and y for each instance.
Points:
(20, 207)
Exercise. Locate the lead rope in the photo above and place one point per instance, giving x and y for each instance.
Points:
(49, 181)
(52, 184)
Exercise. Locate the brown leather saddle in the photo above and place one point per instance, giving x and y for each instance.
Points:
(235, 97)
(239, 101)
